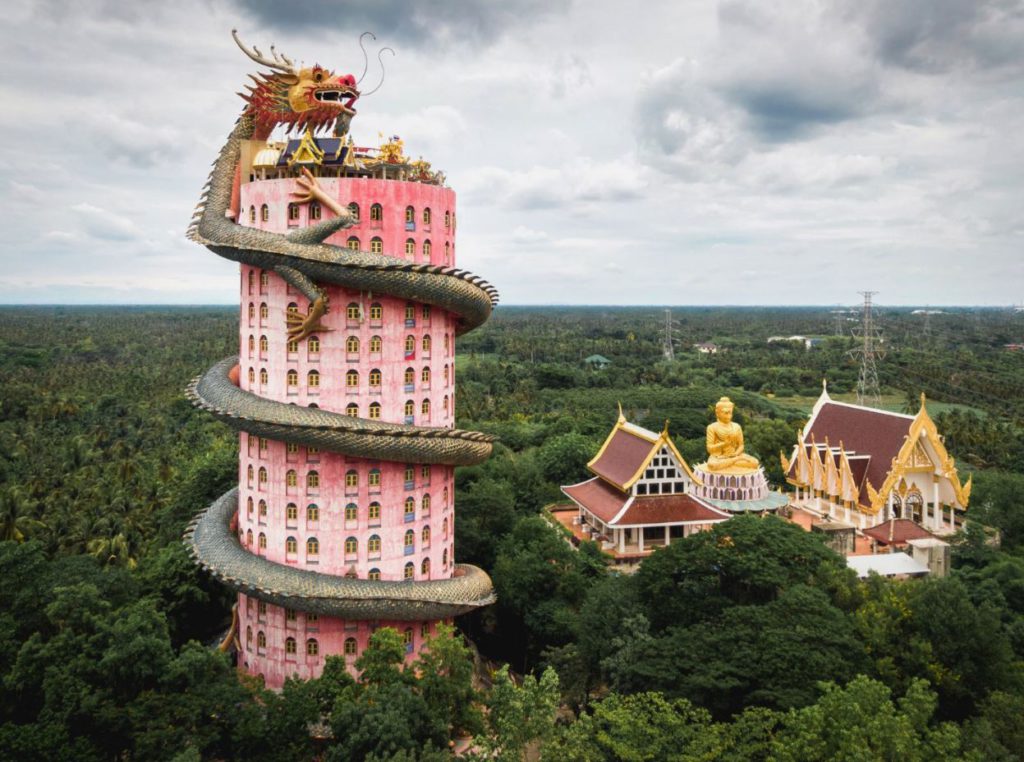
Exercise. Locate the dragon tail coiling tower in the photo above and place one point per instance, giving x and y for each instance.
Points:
(343, 389)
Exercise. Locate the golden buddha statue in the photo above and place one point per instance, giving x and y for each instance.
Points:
(725, 443)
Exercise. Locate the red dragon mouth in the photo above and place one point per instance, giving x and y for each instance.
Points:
(341, 98)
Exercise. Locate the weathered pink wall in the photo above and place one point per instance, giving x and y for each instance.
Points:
(265, 299)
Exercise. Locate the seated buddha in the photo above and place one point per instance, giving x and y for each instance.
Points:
(725, 443)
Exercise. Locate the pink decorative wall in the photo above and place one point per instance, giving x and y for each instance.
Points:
(381, 357)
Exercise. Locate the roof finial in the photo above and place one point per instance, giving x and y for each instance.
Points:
(665, 430)
(622, 418)
(824, 387)
(922, 400)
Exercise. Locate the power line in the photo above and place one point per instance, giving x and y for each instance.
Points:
(868, 392)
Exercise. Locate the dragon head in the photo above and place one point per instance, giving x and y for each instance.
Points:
(310, 97)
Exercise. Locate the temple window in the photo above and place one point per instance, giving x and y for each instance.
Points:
(374, 512)
(291, 546)
(373, 574)
(353, 209)
(290, 616)
(312, 547)
(248, 506)
(314, 345)
(252, 217)
(410, 346)
(426, 345)
(425, 537)
(291, 513)
(410, 541)
(250, 472)
(376, 245)
(425, 505)
(263, 511)
(264, 345)
(410, 411)
(265, 213)
(248, 638)
(293, 378)
(352, 312)
(313, 480)
(376, 343)
(262, 476)
(313, 379)
(293, 214)
(425, 472)
(425, 408)
(444, 404)
(351, 512)
(426, 216)
(314, 210)
(376, 213)
(351, 648)
(252, 345)
(374, 411)
(293, 346)
(376, 311)
(426, 249)
(410, 509)
(264, 311)
(444, 529)
(426, 312)
(352, 344)
(352, 379)
(261, 640)
(410, 477)
(410, 218)
(407, 636)
(312, 647)
(444, 558)
(291, 479)
(375, 378)
(351, 546)
(447, 220)
(352, 479)
(312, 513)
(425, 376)
(410, 247)
(409, 379)
(261, 541)
(373, 546)
(447, 252)
(264, 378)
(312, 620)
(352, 243)
(289, 646)
(373, 478)
(252, 312)
(248, 539)
(410, 314)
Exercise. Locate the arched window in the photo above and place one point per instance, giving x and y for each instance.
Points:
(264, 345)
(264, 378)
(351, 512)
(410, 214)
(444, 529)
(252, 376)
(291, 546)
(444, 404)
(373, 545)
(262, 475)
(375, 378)
(376, 245)
(425, 408)
(312, 513)
(352, 312)
(292, 308)
(252, 345)
(375, 344)
(248, 504)
(293, 213)
(263, 510)
(261, 541)
(426, 249)
(376, 311)
(426, 216)
(265, 213)
(291, 512)
(313, 379)
(410, 346)
(289, 646)
(446, 375)
(374, 411)
(410, 410)
(293, 346)
(250, 472)
(410, 377)
(352, 243)
(410, 539)
(410, 247)
(248, 539)
(312, 547)
(425, 568)
(376, 213)
(410, 571)
(447, 219)
(293, 377)
(264, 311)
(447, 343)
(252, 217)
(410, 313)
(444, 497)
(425, 505)
(374, 512)
(444, 558)
(410, 509)
(352, 344)
(426, 345)
(425, 537)
(447, 252)
(353, 209)
(407, 639)
(314, 345)
(312, 647)
(425, 376)
(261, 640)
(373, 478)
(352, 410)
(410, 477)
(252, 311)
(314, 210)
(373, 574)
(351, 546)
(313, 479)
(351, 478)
(248, 638)
(291, 478)
(352, 379)
(351, 648)
(425, 472)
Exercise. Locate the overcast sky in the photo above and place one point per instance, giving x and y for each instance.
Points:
(697, 152)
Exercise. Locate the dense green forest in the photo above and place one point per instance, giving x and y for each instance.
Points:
(749, 642)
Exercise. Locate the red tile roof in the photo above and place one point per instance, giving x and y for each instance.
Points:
(624, 455)
(864, 431)
(598, 497)
(902, 530)
(669, 509)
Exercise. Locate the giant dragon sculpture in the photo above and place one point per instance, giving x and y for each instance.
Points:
(316, 99)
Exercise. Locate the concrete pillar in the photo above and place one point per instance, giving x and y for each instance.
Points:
(668, 535)
(622, 539)
(640, 538)
(936, 506)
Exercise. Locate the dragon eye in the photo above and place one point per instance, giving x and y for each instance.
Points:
(318, 76)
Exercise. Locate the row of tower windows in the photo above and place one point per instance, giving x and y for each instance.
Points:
(351, 510)
(291, 479)
(373, 550)
(351, 645)
(376, 213)
(262, 445)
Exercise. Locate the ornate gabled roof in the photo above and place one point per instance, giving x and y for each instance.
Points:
(598, 497)
(619, 508)
(628, 449)
(897, 532)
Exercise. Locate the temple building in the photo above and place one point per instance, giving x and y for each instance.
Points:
(865, 466)
(641, 496)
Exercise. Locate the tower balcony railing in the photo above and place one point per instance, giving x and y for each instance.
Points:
(409, 550)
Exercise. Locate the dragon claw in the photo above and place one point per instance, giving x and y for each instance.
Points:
(301, 327)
